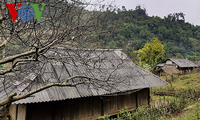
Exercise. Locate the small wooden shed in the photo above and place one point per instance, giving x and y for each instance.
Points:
(167, 70)
(128, 86)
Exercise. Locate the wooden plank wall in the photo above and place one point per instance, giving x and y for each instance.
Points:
(73, 109)
(18, 112)
(80, 109)
(113, 104)
(143, 97)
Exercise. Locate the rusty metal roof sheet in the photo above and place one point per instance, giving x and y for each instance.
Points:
(170, 70)
(123, 75)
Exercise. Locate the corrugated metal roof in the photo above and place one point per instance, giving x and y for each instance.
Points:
(126, 76)
(183, 62)
(160, 65)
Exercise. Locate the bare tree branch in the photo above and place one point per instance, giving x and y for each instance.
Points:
(62, 24)
(11, 97)
(12, 58)
(8, 99)
(3, 45)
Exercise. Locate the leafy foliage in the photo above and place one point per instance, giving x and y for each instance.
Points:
(151, 52)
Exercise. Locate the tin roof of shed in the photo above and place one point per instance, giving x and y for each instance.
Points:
(126, 76)
(183, 62)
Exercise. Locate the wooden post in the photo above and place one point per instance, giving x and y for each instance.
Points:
(136, 99)
(21, 112)
(102, 106)
(140, 63)
(172, 77)
(159, 73)
(13, 111)
(149, 96)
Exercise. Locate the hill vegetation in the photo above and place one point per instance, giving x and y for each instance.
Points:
(131, 29)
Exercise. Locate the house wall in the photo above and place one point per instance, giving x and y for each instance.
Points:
(113, 104)
(18, 112)
(71, 109)
(143, 97)
(81, 108)
(168, 62)
(189, 69)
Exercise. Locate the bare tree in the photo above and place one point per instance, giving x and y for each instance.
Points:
(26, 44)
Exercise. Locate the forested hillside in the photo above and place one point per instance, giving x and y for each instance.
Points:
(131, 29)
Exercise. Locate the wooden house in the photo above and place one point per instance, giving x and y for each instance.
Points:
(183, 65)
(198, 62)
(127, 86)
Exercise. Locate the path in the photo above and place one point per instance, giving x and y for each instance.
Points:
(175, 89)
(190, 108)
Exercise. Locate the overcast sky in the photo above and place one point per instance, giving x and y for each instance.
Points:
(161, 8)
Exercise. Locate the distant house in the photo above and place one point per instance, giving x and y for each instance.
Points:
(183, 65)
(166, 70)
(127, 87)
(198, 62)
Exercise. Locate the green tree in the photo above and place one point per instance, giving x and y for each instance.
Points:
(152, 52)
(179, 55)
(145, 34)
(194, 42)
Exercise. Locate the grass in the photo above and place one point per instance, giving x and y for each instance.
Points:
(188, 80)
(156, 97)
(181, 82)
(192, 113)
